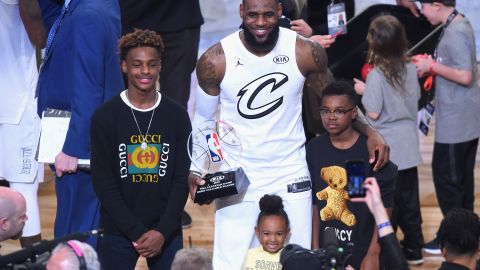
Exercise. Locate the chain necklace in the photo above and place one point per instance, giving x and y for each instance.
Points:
(144, 144)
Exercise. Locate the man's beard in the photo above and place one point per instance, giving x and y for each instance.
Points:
(268, 44)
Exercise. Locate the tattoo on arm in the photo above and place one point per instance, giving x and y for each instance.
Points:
(209, 73)
(319, 76)
(319, 56)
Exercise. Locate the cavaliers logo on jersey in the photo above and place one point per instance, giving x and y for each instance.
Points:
(259, 97)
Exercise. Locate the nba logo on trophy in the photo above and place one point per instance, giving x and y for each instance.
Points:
(214, 147)
(214, 150)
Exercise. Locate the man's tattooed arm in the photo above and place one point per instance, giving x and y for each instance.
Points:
(211, 69)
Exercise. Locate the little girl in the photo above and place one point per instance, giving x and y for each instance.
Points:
(272, 229)
(390, 97)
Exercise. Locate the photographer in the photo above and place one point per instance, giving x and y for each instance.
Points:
(391, 251)
(460, 245)
(294, 256)
(12, 214)
(67, 252)
(73, 255)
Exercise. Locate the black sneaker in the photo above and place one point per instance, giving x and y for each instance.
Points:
(414, 257)
(432, 247)
(186, 220)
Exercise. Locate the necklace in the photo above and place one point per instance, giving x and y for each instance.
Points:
(144, 144)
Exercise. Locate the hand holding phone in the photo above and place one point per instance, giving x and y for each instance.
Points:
(337, 33)
(356, 175)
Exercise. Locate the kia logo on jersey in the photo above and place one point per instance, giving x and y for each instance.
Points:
(280, 59)
(214, 147)
(259, 97)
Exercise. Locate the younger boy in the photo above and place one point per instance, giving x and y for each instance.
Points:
(140, 163)
(326, 157)
(457, 108)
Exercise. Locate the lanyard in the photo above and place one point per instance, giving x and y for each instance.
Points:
(427, 85)
(332, 2)
(447, 23)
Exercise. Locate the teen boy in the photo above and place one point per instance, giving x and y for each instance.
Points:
(140, 163)
(457, 108)
(341, 143)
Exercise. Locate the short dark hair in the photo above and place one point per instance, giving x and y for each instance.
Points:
(139, 38)
(339, 88)
(459, 232)
(449, 3)
(271, 205)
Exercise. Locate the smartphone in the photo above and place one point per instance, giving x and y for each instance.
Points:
(340, 32)
(356, 174)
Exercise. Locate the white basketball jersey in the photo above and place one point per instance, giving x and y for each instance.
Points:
(261, 97)
(18, 71)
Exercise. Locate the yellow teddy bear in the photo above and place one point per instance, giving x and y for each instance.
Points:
(336, 196)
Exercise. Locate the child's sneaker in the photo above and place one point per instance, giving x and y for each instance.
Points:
(414, 257)
(432, 247)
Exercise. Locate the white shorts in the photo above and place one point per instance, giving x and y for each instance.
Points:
(18, 146)
(235, 222)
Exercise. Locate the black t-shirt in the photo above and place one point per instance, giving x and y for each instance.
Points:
(322, 154)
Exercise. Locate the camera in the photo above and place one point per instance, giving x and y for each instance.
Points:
(35, 257)
(332, 257)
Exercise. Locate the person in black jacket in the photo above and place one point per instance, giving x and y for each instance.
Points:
(391, 250)
(459, 234)
(140, 163)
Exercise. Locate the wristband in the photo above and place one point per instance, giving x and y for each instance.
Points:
(430, 69)
(196, 173)
(383, 225)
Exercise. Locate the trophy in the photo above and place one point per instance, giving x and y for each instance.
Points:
(214, 151)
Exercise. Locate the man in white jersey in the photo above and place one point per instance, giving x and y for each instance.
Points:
(21, 30)
(255, 76)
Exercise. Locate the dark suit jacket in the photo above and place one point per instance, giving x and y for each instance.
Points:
(82, 69)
